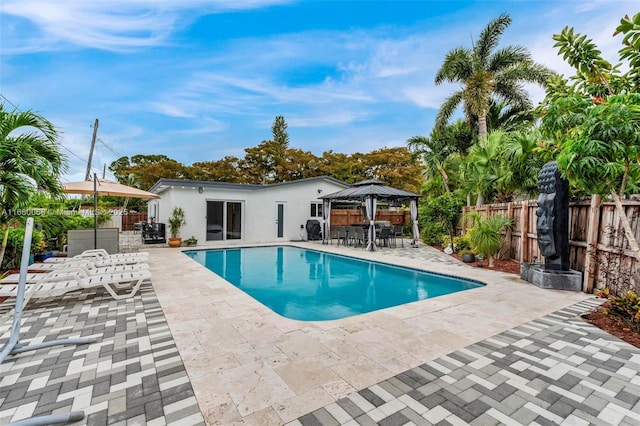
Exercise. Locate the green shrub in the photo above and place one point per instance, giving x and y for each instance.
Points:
(625, 309)
(439, 216)
(432, 232)
(486, 237)
(13, 254)
(459, 242)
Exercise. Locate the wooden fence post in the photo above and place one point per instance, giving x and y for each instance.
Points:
(510, 229)
(524, 233)
(593, 225)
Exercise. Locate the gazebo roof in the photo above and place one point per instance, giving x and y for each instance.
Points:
(373, 188)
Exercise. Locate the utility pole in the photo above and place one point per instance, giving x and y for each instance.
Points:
(93, 144)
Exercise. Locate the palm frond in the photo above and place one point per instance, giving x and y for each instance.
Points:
(456, 67)
(490, 36)
(448, 108)
(508, 56)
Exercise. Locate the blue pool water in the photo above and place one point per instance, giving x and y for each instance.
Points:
(310, 285)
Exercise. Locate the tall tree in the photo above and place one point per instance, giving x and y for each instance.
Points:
(123, 167)
(394, 166)
(226, 169)
(30, 161)
(266, 163)
(486, 74)
(279, 130)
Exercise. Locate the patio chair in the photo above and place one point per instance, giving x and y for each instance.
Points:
(383, 236)
(342, 235)
(333, 235)
(351, 235)
(359, 236)
(397, 232)
(71, 270)
(111, 282)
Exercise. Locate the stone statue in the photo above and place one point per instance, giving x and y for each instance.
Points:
(552, 224)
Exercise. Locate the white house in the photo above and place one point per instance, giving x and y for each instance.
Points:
(216, 212)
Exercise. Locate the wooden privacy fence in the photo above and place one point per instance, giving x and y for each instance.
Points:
(130, 219)
(344, 217)
(598, 247)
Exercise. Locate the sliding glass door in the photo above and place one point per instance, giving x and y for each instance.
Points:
(224, 220)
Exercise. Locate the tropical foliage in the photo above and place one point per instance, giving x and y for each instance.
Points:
(30, 161)
(486, 235)
(15, 242)
(595, 121)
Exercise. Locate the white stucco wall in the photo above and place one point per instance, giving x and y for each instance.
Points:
(258, 209)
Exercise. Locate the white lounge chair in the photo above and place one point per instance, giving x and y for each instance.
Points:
(111, 282)
(97, 262)
(99, 254)
(48, 289)
(71, 270)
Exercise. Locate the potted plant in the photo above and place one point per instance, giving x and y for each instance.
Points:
(190, 242)
(176, 221)
(486, 237)
(40, 250)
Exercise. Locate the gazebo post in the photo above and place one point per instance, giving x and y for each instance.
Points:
(326, 221)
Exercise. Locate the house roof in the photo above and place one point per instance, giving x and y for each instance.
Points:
(367, 188)
(164, 184)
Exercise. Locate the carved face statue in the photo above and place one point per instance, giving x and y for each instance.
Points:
(544, 225)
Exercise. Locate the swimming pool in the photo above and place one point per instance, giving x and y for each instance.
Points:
(311, 285)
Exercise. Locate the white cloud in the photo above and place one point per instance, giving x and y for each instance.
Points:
(118, 25)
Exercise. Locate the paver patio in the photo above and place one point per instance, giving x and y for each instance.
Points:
(244, 364)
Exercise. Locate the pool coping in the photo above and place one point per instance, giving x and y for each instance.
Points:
(249, 365)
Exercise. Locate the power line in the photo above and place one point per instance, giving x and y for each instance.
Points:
(109, 148)
(73, 153)
(11, 103)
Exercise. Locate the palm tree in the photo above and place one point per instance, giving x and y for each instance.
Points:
(433, 153)
(437, 150)
(485, 74)
(30, 161)
(504, 166)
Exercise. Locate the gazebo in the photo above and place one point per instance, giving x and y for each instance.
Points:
(369, 192)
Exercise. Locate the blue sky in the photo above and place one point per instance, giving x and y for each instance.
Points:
(198, 80)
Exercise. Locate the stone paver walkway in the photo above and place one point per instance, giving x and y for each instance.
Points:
(554, 370)
(133, 374)
(193, 349)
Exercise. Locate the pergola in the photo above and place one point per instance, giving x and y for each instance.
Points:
(369, 192)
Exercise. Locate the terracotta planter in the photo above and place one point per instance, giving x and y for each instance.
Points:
(175, 242)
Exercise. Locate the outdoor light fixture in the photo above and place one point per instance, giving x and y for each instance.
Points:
(319, 191)
(200, 190)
